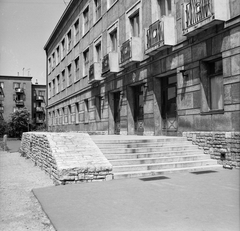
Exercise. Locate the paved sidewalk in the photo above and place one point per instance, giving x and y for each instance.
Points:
(203, 201)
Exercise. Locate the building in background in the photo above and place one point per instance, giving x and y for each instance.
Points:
(17, 92)
(157, 67)
(38, 104)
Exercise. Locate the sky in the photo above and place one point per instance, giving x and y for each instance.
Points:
(25, 27)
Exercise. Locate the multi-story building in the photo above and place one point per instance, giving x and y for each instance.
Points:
(16, 94)
(38, 103)
(156, 67)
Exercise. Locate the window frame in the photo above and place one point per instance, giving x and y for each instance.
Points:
(85, 21)
(86, 62)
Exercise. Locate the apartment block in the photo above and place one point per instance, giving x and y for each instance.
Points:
(155, 67)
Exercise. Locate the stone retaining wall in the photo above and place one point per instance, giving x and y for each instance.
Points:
(66, 157)
(223, 146)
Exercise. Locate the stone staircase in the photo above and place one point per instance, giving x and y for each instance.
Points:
(141, 156)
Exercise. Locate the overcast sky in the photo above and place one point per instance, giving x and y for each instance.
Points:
(25, 26)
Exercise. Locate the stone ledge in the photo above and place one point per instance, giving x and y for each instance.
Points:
(66, 157)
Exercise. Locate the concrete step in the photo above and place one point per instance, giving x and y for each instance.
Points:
(152, 154)
(139, 174)
(148, 149)
(159, 166)
(140, 145)
(124, 162)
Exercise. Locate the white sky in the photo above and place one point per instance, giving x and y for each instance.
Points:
(25, 26)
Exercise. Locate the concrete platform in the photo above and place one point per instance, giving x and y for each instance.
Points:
(207, 200)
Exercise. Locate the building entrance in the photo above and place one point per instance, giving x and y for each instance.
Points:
(116, 116)
(138, 109)
(169, 105)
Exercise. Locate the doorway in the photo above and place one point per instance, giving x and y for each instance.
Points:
(169, 105)
(138, 109)
(116, 113)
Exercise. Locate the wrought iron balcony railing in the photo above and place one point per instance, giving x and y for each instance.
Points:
(39, 109)
(19, 102)
(39, 98)
(19, 90)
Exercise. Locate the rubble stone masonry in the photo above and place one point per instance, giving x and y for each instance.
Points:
(66, 157)
(223, 146)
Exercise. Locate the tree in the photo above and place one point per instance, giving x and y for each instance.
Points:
(19, 122)
(3, 128)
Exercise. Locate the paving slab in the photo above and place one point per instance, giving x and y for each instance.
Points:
(200, 201)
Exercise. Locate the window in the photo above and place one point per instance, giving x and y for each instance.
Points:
(212, 85)
(63, 48)
(69, 114)
(63, 115)
(49, 90)
(63, 80)
(85, 20)
(49, 65)
(165, 8)
(86, 111)
(58, 84)
(53, 60)
(42, 93)
(114, 40)
(77, 112)
(97, 6)
(2, 85)
(58, 117)
(76, 31)
(53, 87)
(98, 52)
(76, 62)
(135, 27)
(58, 55)
(86, 62)
(98, 102)
(69, 68)
(16, 85)
(69, 41)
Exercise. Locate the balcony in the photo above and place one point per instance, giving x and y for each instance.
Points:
(95, 72)
(110, 64)
(39, 109)
(131, 51)
(19, 102)
(200, 15)
(1, 109)
(19, 90)
(160, 35)
(39, 98)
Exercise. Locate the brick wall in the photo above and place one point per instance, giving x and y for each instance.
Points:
(66, 157)
(223, 146)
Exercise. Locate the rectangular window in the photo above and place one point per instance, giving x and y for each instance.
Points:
(86, 62)
(53, 60)
(77, 112)
(63, 49)
(98, 52)
(98, 10)
(135, 27)
(86, 111)
(63, 115)
(85, 20)
(69, 114)
(76, 31)
(16, 85)
(58, 55)
(165, 8)
(53, 87)
(49, 65)
(49, 90)
(114, 40)
(58, 84)
(69, 41)
(69, 68)
(77, 74)
(98, 103)
(63, 80)
(212, 85)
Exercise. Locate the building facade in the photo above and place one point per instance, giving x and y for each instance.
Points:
(157, 67)
(16, 94)
(38, 104)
